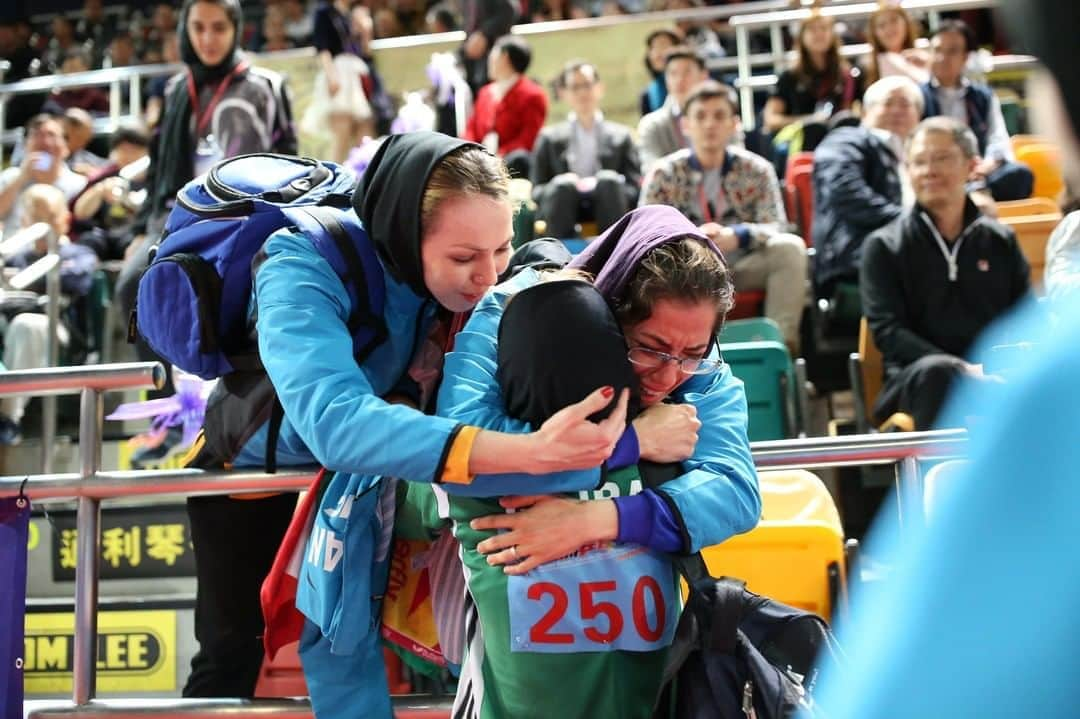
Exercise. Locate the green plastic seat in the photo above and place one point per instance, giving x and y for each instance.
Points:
(752, 329)
(768, 375)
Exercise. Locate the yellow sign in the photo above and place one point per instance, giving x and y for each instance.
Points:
(136, 651)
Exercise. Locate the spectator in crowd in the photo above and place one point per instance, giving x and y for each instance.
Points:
(934, 278)
(122, 49)
(820, 84)
(61, 42)
(104, 211)
(91, 98)
(892, 34)
(386, 23)
(484, 22)
(155, 88)
(587, 167)
(274, 37)
(410, 15)
(548, 10)
(339, 102)
(43, 163)
(79, 132)
(25, 63)
(441, 18)
(235, 109)
(660, 132)
(857, 180)
(299, 23)
(696, 33)
(657, 45)
(26, 338)
(951, 94)
(734, 197)
(1062, 277)
(511, 109)
(162, 21)
(96, 29)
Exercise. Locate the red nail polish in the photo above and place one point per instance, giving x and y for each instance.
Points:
(608, 392)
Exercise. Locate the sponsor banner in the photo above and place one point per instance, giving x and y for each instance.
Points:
(136, 652)
(136, 543)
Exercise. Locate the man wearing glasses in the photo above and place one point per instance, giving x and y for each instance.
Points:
(587, 167)
(935, 277)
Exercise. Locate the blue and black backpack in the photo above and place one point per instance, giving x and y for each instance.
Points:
(194, 298)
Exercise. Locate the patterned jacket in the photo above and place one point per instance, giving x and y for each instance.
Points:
(754, 204)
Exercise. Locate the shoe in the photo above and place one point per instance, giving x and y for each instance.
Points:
(10, 434)
(153, 454)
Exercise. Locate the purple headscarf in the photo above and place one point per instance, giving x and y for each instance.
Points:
(614, 257)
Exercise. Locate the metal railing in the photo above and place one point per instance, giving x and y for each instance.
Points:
(49, 267)
(91, 485)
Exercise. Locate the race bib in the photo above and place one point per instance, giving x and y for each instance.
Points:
(615, 598)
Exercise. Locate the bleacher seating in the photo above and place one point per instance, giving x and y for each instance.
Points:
(867, 377)
(796, 553)
(1032, 220)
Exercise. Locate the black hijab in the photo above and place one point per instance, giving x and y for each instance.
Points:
(175, 147)
(558, 342)
(389, 197)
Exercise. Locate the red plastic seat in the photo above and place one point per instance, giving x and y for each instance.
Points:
(750, 303)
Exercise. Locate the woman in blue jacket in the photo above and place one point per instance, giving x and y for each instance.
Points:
(436, 211)
(534, 654)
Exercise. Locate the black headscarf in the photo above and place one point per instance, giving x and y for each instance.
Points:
(389, 197)
(174, 151)
(558, 342)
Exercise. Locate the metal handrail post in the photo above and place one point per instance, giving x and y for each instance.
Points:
(776, 37)
(135, 97)
(52, 355)
(909, 493)
(88, 551)
(3, 121)
(114, 103)
(746, 93)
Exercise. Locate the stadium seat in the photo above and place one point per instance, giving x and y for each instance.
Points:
(867, 371)
(796, 553)
(1044, 159)
(1032, 232)
(748, 303)
(756, 329)
(937, 476)
(1030, 206)
(799, 159)
(772, 397)
(800, 180)
(1019, 141)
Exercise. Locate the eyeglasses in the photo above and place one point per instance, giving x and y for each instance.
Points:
(653, 359)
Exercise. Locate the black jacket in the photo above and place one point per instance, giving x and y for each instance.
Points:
(856, 191)
(913, 307)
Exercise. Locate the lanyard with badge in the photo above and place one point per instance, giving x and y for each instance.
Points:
(208, 152)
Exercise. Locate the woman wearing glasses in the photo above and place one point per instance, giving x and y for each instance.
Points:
(575, 599)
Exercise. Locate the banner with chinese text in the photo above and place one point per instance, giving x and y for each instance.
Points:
(136, 543)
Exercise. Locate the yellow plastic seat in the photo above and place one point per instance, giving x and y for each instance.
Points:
(1044, 159)
(1030, 206)
(1032, 233)
(796, 553)
(935, 481)
(867, 370)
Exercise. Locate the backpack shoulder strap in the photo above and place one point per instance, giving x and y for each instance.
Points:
(367, 281)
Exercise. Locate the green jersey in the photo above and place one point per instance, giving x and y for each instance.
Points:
(583, 636)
